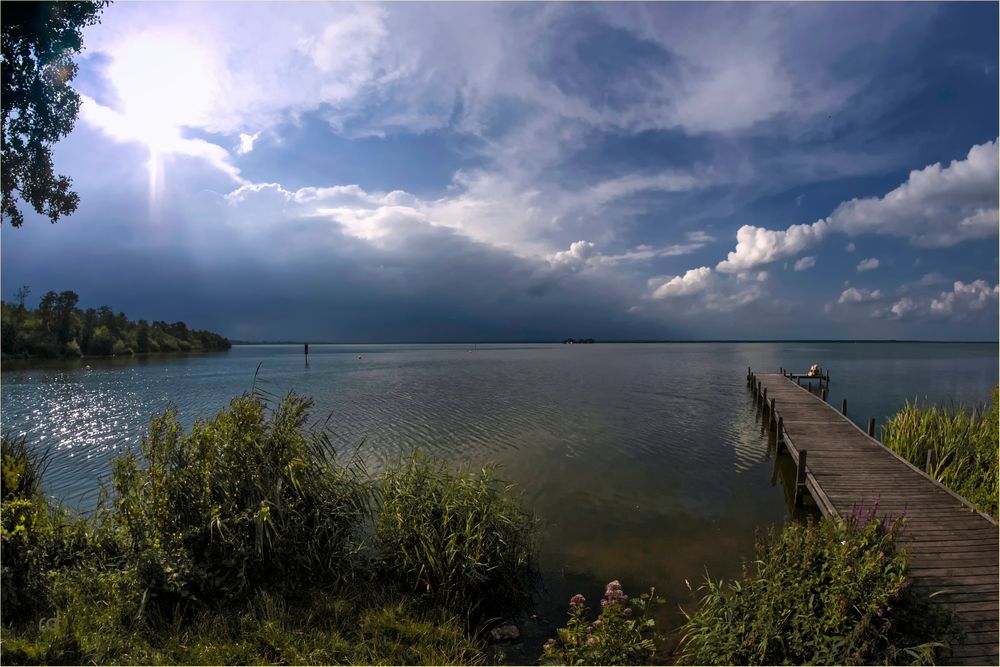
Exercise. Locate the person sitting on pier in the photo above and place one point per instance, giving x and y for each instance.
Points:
(813, 371)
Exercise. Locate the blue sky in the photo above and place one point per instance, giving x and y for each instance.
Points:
(414, 172)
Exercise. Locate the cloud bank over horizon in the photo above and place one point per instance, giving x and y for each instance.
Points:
(501, 172)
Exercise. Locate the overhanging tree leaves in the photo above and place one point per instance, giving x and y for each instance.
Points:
(39, 106)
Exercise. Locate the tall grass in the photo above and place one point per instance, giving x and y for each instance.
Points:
(819, 593)
(248, 540)
(459, 541)
(964, 443)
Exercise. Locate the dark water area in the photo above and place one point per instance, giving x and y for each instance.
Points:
(644, 462)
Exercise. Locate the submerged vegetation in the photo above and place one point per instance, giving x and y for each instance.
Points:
(820, 593)
(962, 443)
(247, 540)
(57, 328)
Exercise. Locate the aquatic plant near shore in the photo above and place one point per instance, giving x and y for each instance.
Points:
(962, 443)
(821, 593)
(618, 636)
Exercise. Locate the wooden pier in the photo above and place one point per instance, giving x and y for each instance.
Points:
(952, 547)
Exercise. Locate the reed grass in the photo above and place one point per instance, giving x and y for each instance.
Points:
(963, 442)
(248, 540)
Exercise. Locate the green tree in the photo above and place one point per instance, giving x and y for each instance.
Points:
(38, 105)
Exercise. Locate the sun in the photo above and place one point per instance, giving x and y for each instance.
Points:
(164, 81)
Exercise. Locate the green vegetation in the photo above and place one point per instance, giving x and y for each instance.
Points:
(247, 540)
(821, 593)
(618, 636)
(963, 443)
(57, 328)
(462, 542)
(39, 105)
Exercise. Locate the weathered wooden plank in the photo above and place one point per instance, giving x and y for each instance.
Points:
(951, 547)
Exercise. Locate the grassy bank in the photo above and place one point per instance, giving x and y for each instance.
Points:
(962, 442)
(248, 540)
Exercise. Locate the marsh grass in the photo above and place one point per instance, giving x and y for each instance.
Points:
(247, 539)
(964, 442)
(457, 540)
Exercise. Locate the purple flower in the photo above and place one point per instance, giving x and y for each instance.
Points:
(604, 603)
(577, 600)
(628, 611)
(879, 612)
(549, 644)
(881, 554)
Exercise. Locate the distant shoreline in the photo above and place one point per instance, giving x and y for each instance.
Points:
(611, 342)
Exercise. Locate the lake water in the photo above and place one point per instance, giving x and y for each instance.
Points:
(644, 462)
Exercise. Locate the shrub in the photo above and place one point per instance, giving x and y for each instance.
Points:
(618, 636)
(245, 501)
(963, 442)
(72, 350)
(36, 539)
(459, 541)
(821, 593)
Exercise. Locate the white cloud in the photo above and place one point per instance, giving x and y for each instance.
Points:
(247, 142)
(756, 246)
(862, 295)
(936, 207)
(805, 263)
(577, 254)
(693, 281)
(868, 264)
(903, 307)
(850, 247)
(965, 297)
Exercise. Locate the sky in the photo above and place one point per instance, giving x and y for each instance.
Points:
(489, 172)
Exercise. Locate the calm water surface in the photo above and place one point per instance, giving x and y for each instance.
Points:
(644, 461)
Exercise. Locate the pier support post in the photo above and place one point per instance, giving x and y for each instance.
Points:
(779, 432)
(824, 393)
(800, 478)
(843, 407)
(871, 427)
(772, 419)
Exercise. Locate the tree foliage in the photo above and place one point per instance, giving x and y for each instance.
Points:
(39, 106)
(57, 328)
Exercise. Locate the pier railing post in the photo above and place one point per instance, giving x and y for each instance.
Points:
(824, 393)
(843, 407)
(772, 419)
(800, 478)
(871, 427)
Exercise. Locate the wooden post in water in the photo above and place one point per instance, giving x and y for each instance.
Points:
(871, 427)
(800, 478)
(779, 431)
(306, 349)
(824, 393)
(810, 386)
(772, 419)
(765, 396)
(843, 407)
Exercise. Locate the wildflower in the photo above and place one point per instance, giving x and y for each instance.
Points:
(591, 641)
(597, 623)
(549, 644)
(605, 603)
(577, 600)
(881, 554)
(843, 543)
(628, 611)
(879, 612)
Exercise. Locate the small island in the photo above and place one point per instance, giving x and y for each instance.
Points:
(577, 341)
(58, 329)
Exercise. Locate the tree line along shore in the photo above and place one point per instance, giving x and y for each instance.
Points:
(57, 328)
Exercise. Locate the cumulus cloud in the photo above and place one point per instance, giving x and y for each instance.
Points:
(903, 307)
(247, 142)
(868, 264)
(756, 246)
(805, 263)
(856, 295)
(693, 281)
(965, 297)
(577, 254)
(936, 206)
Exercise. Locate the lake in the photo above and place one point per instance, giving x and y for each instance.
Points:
(644, 462)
